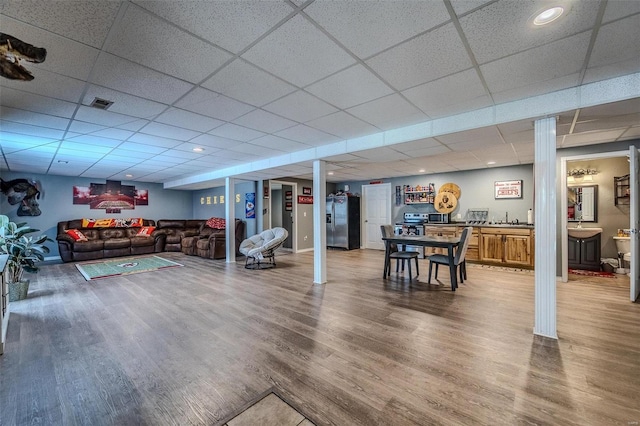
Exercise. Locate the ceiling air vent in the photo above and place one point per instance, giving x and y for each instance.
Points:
(101, 103)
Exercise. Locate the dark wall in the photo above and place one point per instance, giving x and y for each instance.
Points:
(56, 204)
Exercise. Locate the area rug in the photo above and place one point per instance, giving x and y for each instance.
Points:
(592, 273)
(123, 266)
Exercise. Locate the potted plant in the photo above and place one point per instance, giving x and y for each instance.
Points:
(24, 252)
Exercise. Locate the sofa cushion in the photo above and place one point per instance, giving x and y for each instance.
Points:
(76, 235)
(145, 231)
(169, 223)
(86, 246)
(109, 233)
(142, 241)
(216, 223)
(115, 243)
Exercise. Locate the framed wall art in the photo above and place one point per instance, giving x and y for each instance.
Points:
(504, 189)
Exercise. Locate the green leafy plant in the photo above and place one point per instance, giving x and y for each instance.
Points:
(24, 250)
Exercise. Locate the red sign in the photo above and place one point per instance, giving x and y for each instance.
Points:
(305, 199)
(374, 182)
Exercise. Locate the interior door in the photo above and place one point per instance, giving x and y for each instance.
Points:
(634, 182)
(377, 211)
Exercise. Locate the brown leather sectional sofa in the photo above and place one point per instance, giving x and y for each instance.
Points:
(211, 243)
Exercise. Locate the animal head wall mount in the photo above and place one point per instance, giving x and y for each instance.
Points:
(24, 192)
(12, 51)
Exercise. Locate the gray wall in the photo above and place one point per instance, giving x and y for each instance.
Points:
(57, 205)
(202, 210)
(477, 191)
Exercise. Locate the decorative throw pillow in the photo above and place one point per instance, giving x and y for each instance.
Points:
(145, 231)
(76, 235)
(217, 223)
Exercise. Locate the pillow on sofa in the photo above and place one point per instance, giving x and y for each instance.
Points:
(145, 231)
(76, 235)
(216, 223)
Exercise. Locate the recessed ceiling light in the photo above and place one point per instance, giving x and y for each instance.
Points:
(421, 171)
(490, 163)
(198, 149)
(128, 175)
(330, 173)
(547, 16)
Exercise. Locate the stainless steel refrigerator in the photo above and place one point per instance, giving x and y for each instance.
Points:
(343, 222)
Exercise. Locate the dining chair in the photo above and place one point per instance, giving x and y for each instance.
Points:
(399, 255)
(459, 263)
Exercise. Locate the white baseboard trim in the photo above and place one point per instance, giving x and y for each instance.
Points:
(304, 250)
(52, 258)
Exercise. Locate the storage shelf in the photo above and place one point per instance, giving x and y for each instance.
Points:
(621, 188)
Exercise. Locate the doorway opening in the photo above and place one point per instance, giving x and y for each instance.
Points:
(283, 211)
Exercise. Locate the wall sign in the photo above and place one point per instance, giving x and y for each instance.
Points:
(250, 205)
(507, 189)
(305, 199)
(306, 190)
(111, 196)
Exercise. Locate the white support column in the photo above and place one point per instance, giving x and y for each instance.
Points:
(230, 217)
(259, 207)
(319, 224)
(545, 227)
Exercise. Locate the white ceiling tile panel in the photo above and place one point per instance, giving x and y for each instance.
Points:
(134, 126)
(183, 155)
(551, 61)
(482, 134)
(617, 43)
(48, 84)
(463, 6)
(154, 140)
(14, 141)
(233, 131)
(308, 135)
(615, 122)
(138, 147)
(450, 90)
(592, 138)
(84, 147)
(610, 109)
(79, 156)
(343, 125)
(28, 117)
(124, 103)
(416, 144)
(495, 153)
(26, 129)
(281, 144)
(519, 138)
(300, 106)
(125, 76)
(231, 25)
(244, 82)
(36, 103)
(536, 88)
(264, 121)
(607, 71)
(261, 151)
(141, 36)
(619, 9)
(29, 168)
(350, 87)
(102, 117)
(136, 156)
(429, 150)
(212, 104)
(113, 133)
(501, 29)
(631, 133)
(86, 22)
(380, 24)
(64, 56)
(188, 120)
(214, 141)
(299, 53)
(425, 58)
(382, 154)
(172, 132)
(388, 113)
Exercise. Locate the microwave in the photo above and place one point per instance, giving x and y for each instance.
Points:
(439, 217)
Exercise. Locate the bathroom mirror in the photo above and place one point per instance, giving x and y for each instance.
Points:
(582, 203)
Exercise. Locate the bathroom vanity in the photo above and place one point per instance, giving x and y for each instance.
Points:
(584, 248)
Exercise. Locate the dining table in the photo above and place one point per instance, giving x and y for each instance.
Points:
(449, 243)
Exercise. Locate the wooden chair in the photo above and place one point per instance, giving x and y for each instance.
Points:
(399, 255)
(458, 261)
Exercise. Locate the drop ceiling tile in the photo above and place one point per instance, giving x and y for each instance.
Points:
(519, 138)
(451, 90)
(499, 153)
(260, 151)
(48, 84)
(388, 113)
(350, 87)
(607, 71)
(264, 121)
(231, 25)
(86, 22)
(536, 88)
(124, 103)
(139, 30)
(343, 125)
(278, 143)
(551, 61)
(615, 122)
(73, 155)
(501, 29)
(173, 132)
(631, 133)
(214, 141)
(379, 24)
(381, 155)
(617, 42)
(34, 118)
(212, 104)
(308, 135)
(36, 103)
(235, 132)
(620, 9)
(113, 133)
(12, 142)
(154, 140)
(188, 120)
(416, 144)
(299, 53)
(138, 147)
(134, 126)
(90, 142)
(138, 156)
(463, 6)
(300, 106)
(592, 138)
(485, 135)
(102, 117)
(125, 76)
(244, 82)
(26, 129)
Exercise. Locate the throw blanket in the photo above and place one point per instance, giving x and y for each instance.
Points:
(112, 223)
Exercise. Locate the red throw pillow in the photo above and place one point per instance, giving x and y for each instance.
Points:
(76, 235)
(217, 223)
(145, 231)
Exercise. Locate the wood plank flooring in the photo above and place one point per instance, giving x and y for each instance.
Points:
(192, 345)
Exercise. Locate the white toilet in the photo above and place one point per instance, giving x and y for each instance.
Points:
(623, 245)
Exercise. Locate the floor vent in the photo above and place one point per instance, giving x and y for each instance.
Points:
(101, 103)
